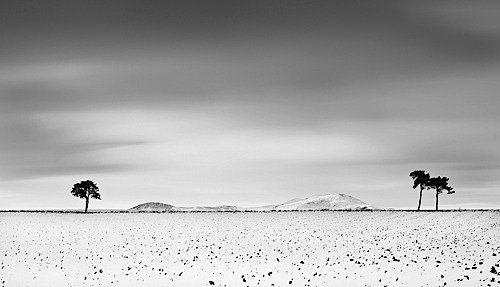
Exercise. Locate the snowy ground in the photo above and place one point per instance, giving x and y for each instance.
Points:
(250, 249)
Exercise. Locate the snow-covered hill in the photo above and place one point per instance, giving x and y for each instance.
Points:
(160, 207)
(208, 208)
(322, 202)
(152, 206)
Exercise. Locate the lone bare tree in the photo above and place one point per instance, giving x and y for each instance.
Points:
(420, 178)
(440, 184)
(86, 189)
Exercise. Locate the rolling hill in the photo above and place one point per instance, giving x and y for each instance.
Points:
(322, 202)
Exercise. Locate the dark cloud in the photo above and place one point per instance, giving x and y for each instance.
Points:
(189, 52)
(358, 28)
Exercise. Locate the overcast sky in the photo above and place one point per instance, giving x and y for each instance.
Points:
(248, 102)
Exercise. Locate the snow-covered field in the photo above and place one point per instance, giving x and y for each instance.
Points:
(380, 248)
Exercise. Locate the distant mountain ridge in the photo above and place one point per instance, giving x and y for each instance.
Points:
(322, 202)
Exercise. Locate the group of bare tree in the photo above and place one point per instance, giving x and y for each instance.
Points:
(423, 180)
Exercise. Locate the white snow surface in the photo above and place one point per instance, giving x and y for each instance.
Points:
(333, 248)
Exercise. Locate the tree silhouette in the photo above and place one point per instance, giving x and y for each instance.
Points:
(86, 189)
(420, 178)
(439, 184)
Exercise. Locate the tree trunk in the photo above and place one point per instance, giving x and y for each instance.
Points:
(437, 198)
(420, 198)
(86, 204)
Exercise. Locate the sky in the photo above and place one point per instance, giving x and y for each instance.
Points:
(248, 102)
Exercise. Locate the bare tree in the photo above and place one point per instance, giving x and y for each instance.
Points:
(420, 178)
(86, 189)
(440, 184)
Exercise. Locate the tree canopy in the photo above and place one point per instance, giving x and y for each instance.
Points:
(86, 189)
(420, 178)
(440, 184)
